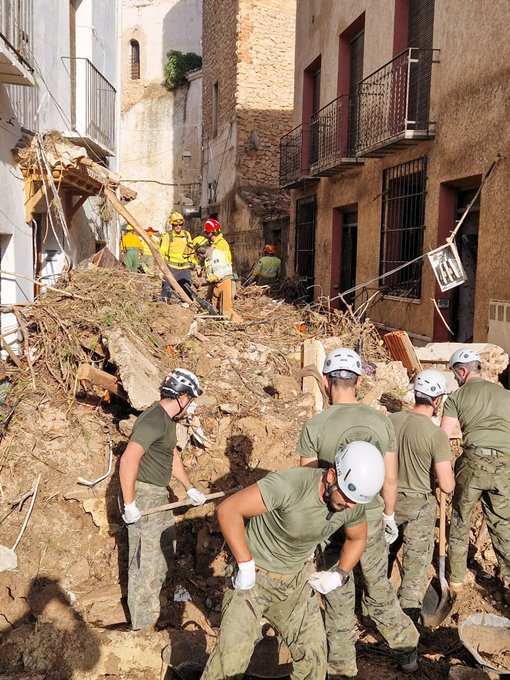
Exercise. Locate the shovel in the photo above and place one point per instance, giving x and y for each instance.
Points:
(437, 602)
(8, 557)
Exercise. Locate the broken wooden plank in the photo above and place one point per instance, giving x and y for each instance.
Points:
(101, 379)
(10, 352)
(313, 354)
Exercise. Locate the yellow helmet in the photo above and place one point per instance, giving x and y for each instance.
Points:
(129, 227)
(199, 241)
(176, 218)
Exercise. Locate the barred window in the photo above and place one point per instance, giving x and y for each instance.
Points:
(134, 47)
(402, 227)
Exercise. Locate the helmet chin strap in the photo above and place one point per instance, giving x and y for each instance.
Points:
(182, 408)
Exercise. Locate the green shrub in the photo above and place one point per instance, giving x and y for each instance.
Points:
(177, 65)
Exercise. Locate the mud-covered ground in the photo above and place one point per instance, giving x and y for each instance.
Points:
(62, 611)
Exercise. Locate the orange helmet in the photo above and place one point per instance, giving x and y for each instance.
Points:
(269, 249)
(211, 226)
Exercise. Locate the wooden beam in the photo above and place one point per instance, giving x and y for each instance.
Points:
(32, 198)
(74, 209)
(140, 231)
(9, 351)
(101, 379)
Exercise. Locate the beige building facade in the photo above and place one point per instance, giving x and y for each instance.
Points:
(160, 129)
(397, 117)
(248, 82)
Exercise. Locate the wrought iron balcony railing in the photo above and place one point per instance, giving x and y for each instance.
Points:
(333, 136)
(16, 27)
(93, 101)
(16, 35)
(393, 103)
(295, 156)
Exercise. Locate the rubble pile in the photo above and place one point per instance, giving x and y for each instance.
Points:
(96, 348)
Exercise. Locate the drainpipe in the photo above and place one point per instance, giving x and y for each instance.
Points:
(116, 229)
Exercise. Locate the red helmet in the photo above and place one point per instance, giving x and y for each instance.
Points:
(211, 226)
(269, 249)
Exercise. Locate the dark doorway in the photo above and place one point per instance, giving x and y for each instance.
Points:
(305, 241)
(348, 249)
(463, 300)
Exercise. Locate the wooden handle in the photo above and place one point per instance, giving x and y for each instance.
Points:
(183, 504)
(442, 523)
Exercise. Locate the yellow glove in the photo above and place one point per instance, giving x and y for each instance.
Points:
(213, 279)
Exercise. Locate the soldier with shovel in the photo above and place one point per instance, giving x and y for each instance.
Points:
(147, 464)
(421, 447)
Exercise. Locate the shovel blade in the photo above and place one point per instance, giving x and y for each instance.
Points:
(8, 559)
(437, 603)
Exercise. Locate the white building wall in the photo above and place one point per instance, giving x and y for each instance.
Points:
(47, 106)
(160, 130)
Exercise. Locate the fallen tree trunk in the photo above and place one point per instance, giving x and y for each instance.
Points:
(140, 231)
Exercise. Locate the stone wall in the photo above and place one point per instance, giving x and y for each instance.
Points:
(264, 88)
(252, 65)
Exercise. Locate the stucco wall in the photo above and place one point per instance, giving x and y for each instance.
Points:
(40, 109)
(160, 128)
(470, 96)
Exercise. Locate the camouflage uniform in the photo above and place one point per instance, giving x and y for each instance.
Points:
(287, 602)
(379, 600)
(322, 436)
(416, 514)
(151, 552)
(481, 474)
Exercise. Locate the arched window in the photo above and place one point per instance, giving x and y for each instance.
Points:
(134, 54)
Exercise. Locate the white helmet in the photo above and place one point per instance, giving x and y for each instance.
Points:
(343, 360)
(180, 381)
(360, 471)
(463, 356)
(430, 382)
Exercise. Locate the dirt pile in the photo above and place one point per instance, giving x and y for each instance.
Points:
(60, 611)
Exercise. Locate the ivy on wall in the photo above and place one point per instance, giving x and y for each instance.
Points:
(177, 65)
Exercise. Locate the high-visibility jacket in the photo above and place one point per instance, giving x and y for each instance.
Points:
(217, 266)
(268, 267)
(222, 244)
(177, 249)
(130, 240)
(146, 249)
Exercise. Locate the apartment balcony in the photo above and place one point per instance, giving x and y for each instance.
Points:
(333, 137)
(93, 101)
(394, 102)
(295, 158)
(16, 33)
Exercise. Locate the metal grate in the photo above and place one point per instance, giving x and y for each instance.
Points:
(393, 102)
(329, 129)
(402, 227)
(94, 103)
(305, 240)
(16, 27)
(293, 157)
(134, 54)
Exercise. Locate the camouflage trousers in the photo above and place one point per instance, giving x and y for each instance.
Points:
(416, 518)
(151, 553)
(481, 474)
(379, 600)
(290, 605)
